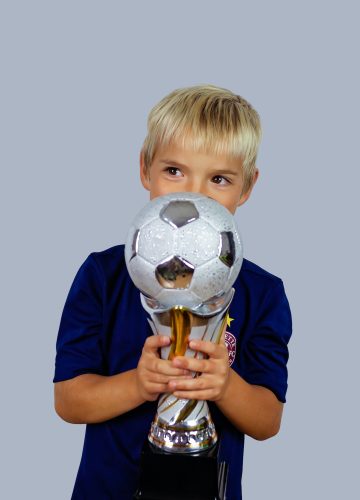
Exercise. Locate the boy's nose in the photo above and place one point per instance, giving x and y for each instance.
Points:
(196, 186)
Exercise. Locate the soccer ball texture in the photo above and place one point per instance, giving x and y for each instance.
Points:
(183, 249)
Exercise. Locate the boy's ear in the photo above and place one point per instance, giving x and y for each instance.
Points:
(245, 196)
(144, 174)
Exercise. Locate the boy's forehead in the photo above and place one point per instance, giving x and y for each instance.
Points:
(184, 153)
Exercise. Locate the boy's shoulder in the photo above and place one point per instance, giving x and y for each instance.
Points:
(116, 251)
(251, 271)
(108, 264)
(255, 285)
(112, 255)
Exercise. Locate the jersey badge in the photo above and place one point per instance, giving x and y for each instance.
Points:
(230, 342)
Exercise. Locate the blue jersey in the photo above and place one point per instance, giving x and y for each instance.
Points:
(103, 329)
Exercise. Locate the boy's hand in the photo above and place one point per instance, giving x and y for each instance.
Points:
(214, 372)
(153, 373)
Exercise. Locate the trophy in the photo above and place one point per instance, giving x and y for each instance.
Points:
(183, 252)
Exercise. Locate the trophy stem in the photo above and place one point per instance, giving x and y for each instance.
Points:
(182, 425)
(181, 323)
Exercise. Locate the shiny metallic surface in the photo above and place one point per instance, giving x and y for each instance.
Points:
(174, 273)
(205, 309)
(135, 244)
(178, 296)
(179, 213)
(227, 250)
(186, 439)
(215, 304)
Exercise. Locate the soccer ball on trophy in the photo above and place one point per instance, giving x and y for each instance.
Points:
(184, 249)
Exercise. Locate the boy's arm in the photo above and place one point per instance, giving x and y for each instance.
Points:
(253, 409)
(92, 398)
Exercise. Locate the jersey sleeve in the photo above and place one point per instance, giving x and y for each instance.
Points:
(266, 351)
(79, 347)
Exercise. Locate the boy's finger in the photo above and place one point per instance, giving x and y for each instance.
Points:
(194, 384)
(153, 342)
(212, 350)
(166, 368)
(158, 378)
(157, 388)
(199, 395)
(222, 338)
(183, 377)
(192, 364)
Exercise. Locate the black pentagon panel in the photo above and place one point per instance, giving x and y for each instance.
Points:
(135, 244)
(174, 273)
(227, 248)
(178, 213)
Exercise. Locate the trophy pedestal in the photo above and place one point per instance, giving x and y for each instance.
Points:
(177, 476)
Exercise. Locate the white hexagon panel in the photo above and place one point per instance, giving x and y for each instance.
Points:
(156, 241)
(215, 214)
(197, 242)
(210, 279)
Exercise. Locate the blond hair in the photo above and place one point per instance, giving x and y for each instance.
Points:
(206, 118)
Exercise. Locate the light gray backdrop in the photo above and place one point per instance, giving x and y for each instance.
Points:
(77, 81)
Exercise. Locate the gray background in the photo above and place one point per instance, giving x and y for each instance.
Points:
(77, 81)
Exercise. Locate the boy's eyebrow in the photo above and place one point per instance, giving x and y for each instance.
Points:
(217, 170)
(172, 162)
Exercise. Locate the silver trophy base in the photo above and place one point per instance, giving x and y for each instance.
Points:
(184, 437)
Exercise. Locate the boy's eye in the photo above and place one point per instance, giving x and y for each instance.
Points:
(173, 171)
(219, 179)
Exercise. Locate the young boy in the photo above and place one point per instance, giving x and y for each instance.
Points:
(108, 371)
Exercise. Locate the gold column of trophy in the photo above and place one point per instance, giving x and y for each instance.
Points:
(184, 253)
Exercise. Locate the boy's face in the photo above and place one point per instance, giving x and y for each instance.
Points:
(175, 169)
